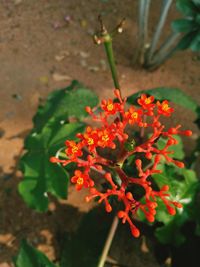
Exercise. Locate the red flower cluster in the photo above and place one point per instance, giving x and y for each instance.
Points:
(86, 153)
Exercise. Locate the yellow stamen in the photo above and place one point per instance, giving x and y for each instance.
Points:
(147, 100)
(105, 137)
(74, 149)
(110, 106)
(165, 107)
(90, 141)
(80, 181)
(134, 115)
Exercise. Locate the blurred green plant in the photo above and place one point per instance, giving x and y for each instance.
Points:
(186, 32)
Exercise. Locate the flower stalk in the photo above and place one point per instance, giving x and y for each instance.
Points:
(108, 242)
(107, 38)
(111, 60)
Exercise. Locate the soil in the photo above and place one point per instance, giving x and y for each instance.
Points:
(44, 45)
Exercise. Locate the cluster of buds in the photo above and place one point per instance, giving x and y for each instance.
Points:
(115, 119)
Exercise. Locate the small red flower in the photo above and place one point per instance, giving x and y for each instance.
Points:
(73, 149)
(133, 115)
(90, 138)
(109, 107)
(164, 108)
(146, 102)
(81, 179)
(106, 139)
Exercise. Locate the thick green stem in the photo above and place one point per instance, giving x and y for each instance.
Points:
(111, 59)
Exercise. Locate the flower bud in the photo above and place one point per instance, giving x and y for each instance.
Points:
(138, 162)
(117, 93)
(129, 195)
(179, 164)
(150, 217)
(172, 131)
(177, 204)
(164, 188)
(91, 183)
(93, 191)
(171, 210)
(148, 155)
(120, 214)
(135, 232)
(108, 208)
(170, 142)
(153, 205)
(54, 159)
(108, 176)
(88, 109)
(87, 199)
(187, 133)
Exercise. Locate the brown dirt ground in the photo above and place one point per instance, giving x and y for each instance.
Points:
(33, 36)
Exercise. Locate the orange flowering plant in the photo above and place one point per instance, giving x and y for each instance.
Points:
(126, 158)
(115, 122)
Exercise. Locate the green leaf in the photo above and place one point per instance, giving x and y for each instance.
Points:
(51, 129)
(184, 25)
(70, 101)
(129, 145)
(30, 257)
(197, 3)
(174, 95)
(186, 41)
(171, 233)
(84, 247)
(40, 175)
(183, 185)
(186, 7)
(195, 44)
(177, 149)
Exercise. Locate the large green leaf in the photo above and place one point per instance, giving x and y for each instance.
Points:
(184, 25)
(186, 7)
(70, 101)
(51, 129)
(183, 185)
(171, 232)
(186, 41)
(174, 95)
(195, 44)
(41, 176)
(30, 257)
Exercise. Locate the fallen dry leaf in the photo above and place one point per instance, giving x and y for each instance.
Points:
(62, 55)
(61, 77)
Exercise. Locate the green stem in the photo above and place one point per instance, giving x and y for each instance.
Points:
(111, 60)
(108, 243)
